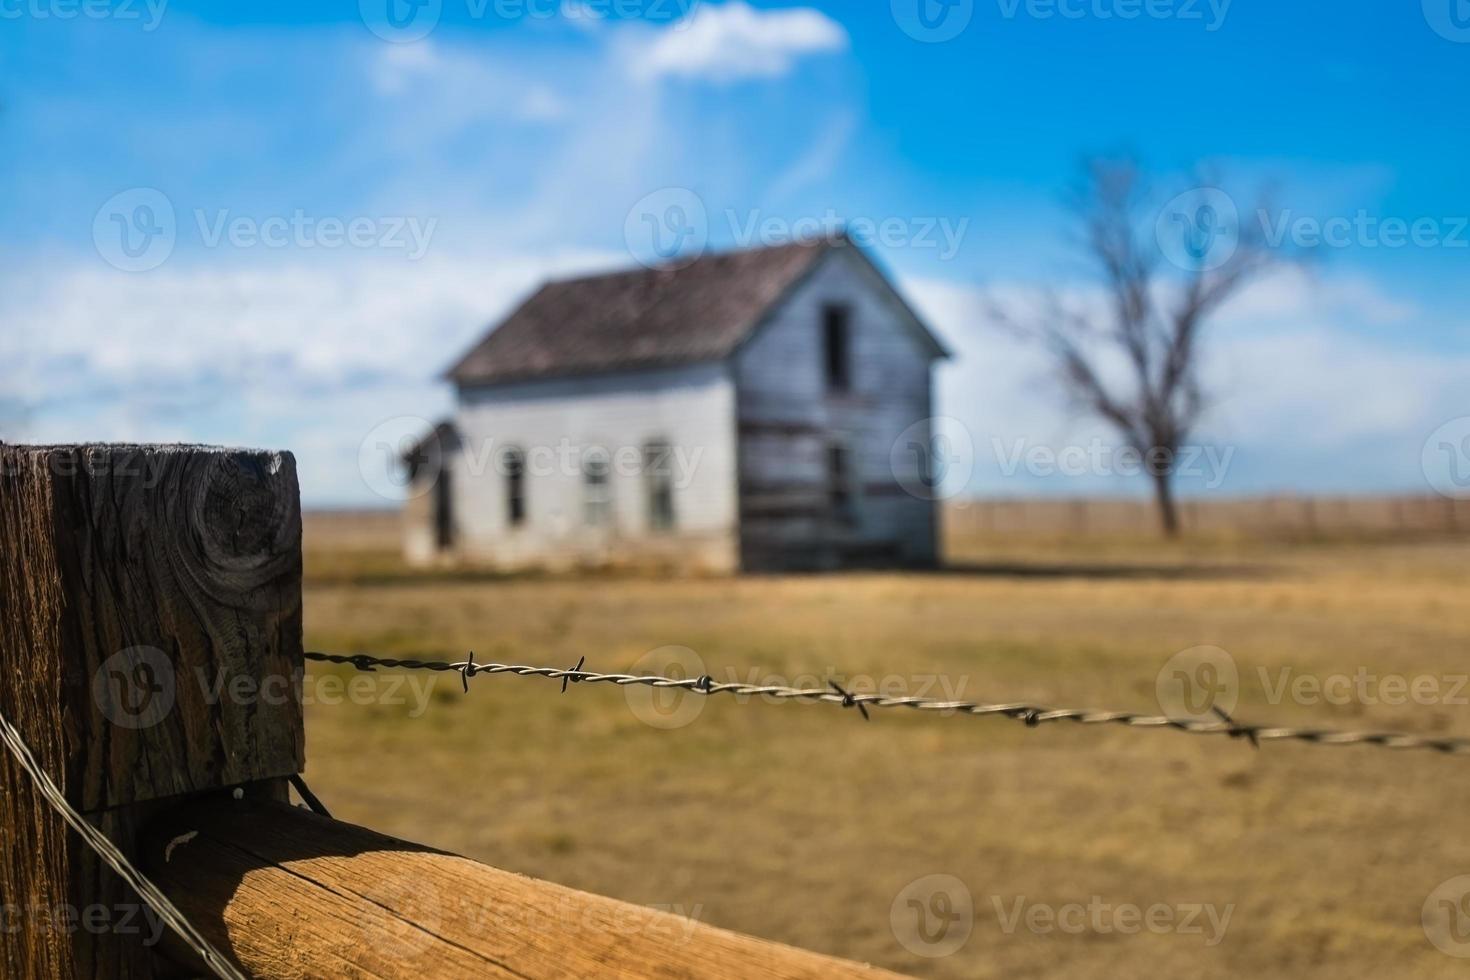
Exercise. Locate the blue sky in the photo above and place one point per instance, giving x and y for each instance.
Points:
(516, 139)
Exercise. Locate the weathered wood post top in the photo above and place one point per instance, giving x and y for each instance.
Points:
(150, 603)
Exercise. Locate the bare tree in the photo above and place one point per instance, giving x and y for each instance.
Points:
(1133, 358)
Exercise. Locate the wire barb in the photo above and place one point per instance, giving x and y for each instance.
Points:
(848, 701)
(468, 670)
(1236, 730)
(1031, 715)
(573, 676)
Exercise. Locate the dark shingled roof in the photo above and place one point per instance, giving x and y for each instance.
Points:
(643, 318)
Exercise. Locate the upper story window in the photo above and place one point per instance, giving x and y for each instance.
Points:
(658, 476)
(837, 346)
(514, 467)
(597, 488)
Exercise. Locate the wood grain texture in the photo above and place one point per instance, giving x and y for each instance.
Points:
(294, 895)
(33, 842)
(193, 554)
(147, 596)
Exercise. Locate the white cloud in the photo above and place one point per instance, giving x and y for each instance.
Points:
(730, 41)
(1295, 291)
(462, 85)
(301, 356)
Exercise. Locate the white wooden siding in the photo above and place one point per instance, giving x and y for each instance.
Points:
(553, 422)
(788, 418)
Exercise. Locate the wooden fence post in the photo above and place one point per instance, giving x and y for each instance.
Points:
(150, 657)
(150, 647)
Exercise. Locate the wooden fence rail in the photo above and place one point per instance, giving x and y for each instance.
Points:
(150, 649)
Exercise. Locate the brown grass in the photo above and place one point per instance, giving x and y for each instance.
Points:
(802, 823)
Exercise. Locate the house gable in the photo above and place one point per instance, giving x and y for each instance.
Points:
(826, 457)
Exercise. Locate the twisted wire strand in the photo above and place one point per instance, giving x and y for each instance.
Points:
(108, 852)
(1031, 715)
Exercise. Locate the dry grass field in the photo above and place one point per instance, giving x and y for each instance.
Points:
(803, 823)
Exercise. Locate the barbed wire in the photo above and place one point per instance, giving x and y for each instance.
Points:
(1031, 715)
(108, 852)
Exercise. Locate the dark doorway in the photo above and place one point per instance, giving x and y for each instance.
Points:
(443, 511)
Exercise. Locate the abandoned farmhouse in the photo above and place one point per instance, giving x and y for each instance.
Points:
(756, 410)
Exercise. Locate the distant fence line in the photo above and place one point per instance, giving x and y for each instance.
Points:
(1279, 516)
(1266, 517)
